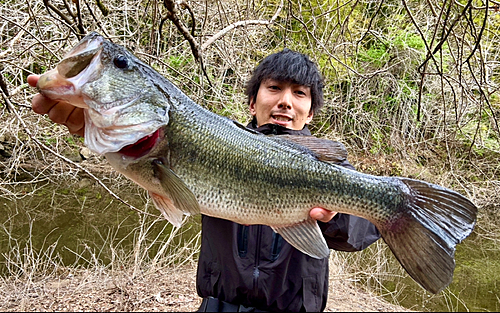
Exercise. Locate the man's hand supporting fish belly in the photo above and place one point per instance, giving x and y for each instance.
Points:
(61, 112)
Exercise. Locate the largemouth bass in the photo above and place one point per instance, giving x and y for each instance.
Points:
(191, 160)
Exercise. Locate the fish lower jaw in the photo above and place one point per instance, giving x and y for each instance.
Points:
(66, 94)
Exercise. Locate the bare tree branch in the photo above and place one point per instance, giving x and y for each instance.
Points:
(95, 18)
(173, 16)
(227, 29)
(478, 39)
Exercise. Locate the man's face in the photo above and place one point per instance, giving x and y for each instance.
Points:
(283, 103)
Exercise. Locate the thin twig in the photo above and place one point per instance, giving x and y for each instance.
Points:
(232, 26)
(186, 6)
(443, 40)
(80, 22)
(327, 51)
(368, 29)
(64, 18)
(95, 18)
(173, 16)
(195, 47)
(35, 37)
(478, 39)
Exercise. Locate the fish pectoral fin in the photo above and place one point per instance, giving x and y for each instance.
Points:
(178, 194)
(324, 149)
(167, 209)
(306, 237)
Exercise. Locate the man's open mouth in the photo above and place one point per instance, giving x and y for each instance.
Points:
(142, 146)
(281, 118)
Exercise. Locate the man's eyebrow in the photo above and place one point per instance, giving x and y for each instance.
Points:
(301, 85)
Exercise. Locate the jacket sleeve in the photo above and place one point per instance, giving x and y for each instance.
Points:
(348, 232)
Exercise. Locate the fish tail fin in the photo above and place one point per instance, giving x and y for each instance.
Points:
(424, 236)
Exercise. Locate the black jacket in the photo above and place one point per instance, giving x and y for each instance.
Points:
(253, 266)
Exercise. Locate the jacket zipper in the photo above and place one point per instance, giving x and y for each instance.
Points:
(242, 238)
(256, 271)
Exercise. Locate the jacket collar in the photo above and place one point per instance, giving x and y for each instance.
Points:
(274, 129)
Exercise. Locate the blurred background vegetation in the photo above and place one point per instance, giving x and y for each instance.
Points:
(411, 88)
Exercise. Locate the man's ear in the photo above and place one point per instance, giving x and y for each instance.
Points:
(252, 107)
(309, 117)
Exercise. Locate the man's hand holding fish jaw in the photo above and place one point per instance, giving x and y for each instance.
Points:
(59, 112)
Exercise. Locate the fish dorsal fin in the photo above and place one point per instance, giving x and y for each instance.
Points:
(178, 199)
(323, 149)
(306, 237)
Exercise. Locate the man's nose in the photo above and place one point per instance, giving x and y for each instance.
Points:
(285, 101)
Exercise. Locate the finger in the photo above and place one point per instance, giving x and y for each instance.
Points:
(60, 112)
(32, 80)
(41, 104)
(321, 214)
(76, 121)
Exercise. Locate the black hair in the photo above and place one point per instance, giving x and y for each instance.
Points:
(288, 65)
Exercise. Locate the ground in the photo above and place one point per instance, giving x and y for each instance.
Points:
(167, 290)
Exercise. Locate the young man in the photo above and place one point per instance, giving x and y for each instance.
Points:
(251, 268)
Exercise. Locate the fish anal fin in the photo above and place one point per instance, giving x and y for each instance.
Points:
(324, 149)
(306, 237)
(167, 209)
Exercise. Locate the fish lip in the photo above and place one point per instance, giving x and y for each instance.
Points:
(75, 69)
(142, 146)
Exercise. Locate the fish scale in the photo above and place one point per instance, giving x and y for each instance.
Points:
(191, 161)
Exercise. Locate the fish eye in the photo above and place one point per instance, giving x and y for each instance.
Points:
(120, 61)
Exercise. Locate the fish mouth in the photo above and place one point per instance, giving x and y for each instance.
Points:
(79, 66)
(142, 146)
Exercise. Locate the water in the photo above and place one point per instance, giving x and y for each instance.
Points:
(475, 286)
(76, 223)
(476, 280)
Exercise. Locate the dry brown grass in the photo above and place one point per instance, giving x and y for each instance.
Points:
(170, 289)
